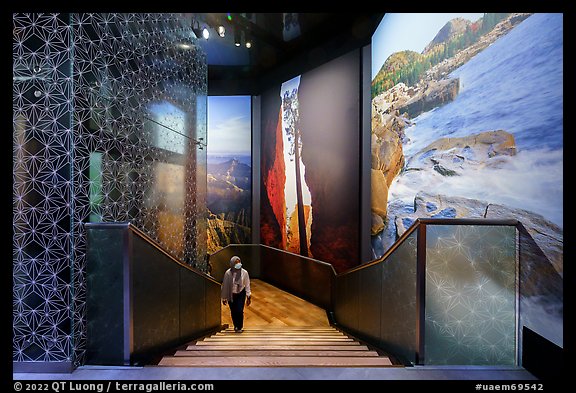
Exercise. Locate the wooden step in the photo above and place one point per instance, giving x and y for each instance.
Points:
(277, 342)
(280, 330)
(239, 337)
(260, 353)
(288, 327)
(275, 347)
(284, 330)
(280, 361)
(280, 333)
(234, 336)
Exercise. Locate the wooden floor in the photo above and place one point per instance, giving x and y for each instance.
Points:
(280, 330)
(273, 307)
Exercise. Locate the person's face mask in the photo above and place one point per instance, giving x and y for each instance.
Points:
(238, 265)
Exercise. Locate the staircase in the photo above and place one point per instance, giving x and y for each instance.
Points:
(287, 346)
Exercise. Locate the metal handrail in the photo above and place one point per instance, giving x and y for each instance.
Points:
(430, 221)
(131, 227)
(328, 265)
(397, 243)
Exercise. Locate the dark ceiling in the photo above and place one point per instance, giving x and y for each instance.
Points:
(283, 45)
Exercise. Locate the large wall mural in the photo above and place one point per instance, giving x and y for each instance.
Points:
(229, 193)
(109, 114)
(310, 164)
(467, 121)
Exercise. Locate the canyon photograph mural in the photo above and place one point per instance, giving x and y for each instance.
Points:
(467, 122)
(229, 159)
(310, 164)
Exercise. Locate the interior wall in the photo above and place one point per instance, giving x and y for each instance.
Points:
(42, 188)
(109, 125)
(328, 117)
(365, 165)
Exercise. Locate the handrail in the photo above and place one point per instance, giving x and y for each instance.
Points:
(305, 277)
(397, 243)
(430, 221)
(393, 248)
(469, 221)
(328, 265)
(150, 241)
(152, 300)
(352, 286)
(351, 299)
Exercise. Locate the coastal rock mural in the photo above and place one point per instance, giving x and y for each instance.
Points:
(467, 122)
(310, 203)
(229, 177)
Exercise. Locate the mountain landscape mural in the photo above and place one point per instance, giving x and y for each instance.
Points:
(229, 172)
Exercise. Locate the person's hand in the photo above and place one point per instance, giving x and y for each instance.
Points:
(224, 301)
(248, 301)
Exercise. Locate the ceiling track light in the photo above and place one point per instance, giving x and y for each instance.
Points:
(196, 29)
(221, 31)
(200, 32)
(247, 40)
(237, 37)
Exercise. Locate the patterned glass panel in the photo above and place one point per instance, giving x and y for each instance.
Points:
(470, 295)
(109, 118)
(398, 320)
(42, 191)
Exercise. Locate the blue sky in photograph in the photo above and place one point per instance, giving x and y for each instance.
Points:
(290, 85)
(229, 125)
(408, 31)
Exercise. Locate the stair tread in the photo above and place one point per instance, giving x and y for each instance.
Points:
(270, 361)
(285, 329)
(286, 334)
(240, 337)
(262, 353)
(248, 342)
(275, 347)
(282, 331)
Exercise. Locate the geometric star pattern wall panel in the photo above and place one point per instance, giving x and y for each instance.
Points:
(119, 136)
(139, 82)
(42, 232)
(470, 295)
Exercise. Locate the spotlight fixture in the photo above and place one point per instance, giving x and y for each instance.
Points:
(247, 40)
(200, 32)
(221, 31)
(237, 37)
